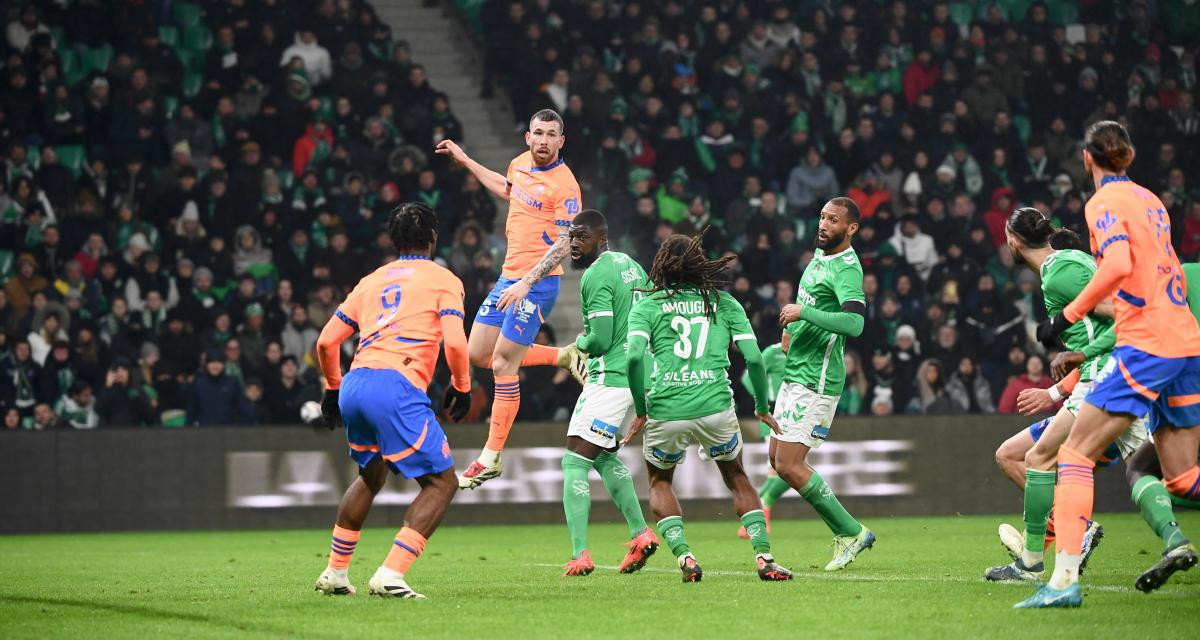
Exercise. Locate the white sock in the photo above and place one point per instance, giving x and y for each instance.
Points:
(388, 574)
(488, 458)
(1066, 570)
(341, 573)
(1031, 558)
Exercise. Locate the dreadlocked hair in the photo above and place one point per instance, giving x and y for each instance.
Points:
(412, 227)
(681, 264)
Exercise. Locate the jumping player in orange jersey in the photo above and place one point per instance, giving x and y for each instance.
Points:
(402, 311)
(1154, 369)
(543, 197)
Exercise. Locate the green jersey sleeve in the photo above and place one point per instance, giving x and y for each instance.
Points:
(733, 316)
(848, 283)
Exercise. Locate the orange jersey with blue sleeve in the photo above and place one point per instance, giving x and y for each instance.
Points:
(541, 202)
(397, 310)
(1131, 238)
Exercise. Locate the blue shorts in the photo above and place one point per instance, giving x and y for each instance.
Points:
(1111, 455)
(520, 322)
(385, 415)
(1137, 383)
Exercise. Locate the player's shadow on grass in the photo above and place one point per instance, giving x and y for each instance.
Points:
(146, 612)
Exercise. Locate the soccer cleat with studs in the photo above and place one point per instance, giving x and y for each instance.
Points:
(1180, 558)
(477, 474)
(575, 362)
(392, 586)
(1048, 597)
(641, 547)
(847, 548)
(334, 583)
(690, 568)
(1015, 571)
(580, 566)
(769, 570)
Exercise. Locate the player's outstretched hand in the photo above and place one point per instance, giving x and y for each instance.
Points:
(769, 420)
(634, 427)
(1032, 401)
(789, 314)
(1064, 363)
(330, 412)
(457, 404)
(451, 148)
(515, 293)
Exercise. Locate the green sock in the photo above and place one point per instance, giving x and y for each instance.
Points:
(755, 523)
(671, 529)
(619, 483)
(821, 497)
(772, 490)
(1155, 502)
(577, 499)
(1039, 500)
(1185, 503)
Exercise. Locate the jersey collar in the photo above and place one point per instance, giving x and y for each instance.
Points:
(547, 167)
(831, 256)
(1107, 179)
(413, 258)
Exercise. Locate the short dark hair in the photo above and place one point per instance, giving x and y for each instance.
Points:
(412, 226)
(549, 115)
(849, 205)
(591, 219)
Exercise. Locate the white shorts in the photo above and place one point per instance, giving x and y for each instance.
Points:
(1130, 439)
(665, 442)
(602, 415)
(803, 415)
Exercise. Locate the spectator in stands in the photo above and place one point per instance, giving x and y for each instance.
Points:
(969, 389)
(299, 336)
(77, 408)
(1034, 378)
(20, 32)
(315, 58)
(122, 403)
(218, 398)
(44, 418)
(286, 392)
(915, 247)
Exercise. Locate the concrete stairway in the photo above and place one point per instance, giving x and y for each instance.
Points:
(454, 65)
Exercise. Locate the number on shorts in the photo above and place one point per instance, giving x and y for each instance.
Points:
(683, 327)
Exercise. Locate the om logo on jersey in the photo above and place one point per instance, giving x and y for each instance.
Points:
(572, 206)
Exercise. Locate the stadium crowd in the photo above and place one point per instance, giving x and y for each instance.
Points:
(186, 198)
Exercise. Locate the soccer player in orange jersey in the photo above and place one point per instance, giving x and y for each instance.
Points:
(1155, 368)
(402, 311)
(543, 197)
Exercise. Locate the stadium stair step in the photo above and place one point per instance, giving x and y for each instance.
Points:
(453, 62)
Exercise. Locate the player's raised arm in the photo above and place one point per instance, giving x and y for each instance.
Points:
(491, 180)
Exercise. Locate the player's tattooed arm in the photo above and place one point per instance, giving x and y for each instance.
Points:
(554, 257)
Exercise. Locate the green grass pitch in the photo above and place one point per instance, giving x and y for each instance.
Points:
(924, 578)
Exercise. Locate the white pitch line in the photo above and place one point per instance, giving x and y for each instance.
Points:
(850, 577)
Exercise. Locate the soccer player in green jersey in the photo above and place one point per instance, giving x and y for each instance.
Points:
(605, 407)
(775, 360)
(1030, 457)
(830, 306)
(688, 325)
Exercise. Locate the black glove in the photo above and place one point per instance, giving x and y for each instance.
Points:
(330, 411)
(1049, 331)
(456, 403)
